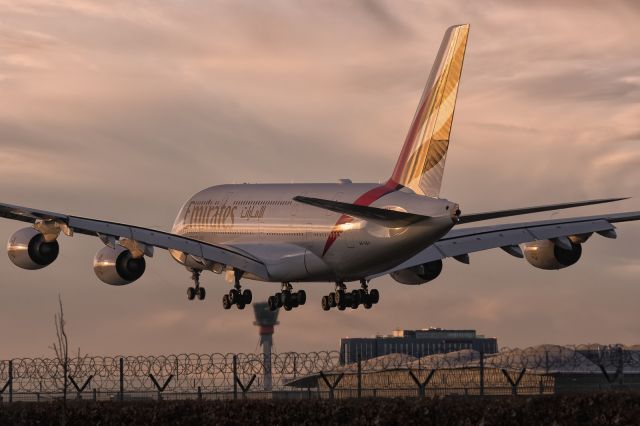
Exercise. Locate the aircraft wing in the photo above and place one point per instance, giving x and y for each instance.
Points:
(461, 242)
(150, 237)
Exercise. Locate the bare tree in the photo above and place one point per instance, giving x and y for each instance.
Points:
(61, 347)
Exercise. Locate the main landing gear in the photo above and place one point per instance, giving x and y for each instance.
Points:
(343, 299)
(287, 298)
(196, 291)
(236, 296)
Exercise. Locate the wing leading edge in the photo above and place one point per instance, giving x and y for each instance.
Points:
(151, 237)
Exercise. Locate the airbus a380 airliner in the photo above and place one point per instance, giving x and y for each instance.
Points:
(334, 232)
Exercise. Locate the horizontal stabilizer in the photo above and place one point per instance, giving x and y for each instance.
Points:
(383, 217)
(476, 217)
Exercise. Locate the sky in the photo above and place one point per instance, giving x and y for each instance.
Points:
(122, 110)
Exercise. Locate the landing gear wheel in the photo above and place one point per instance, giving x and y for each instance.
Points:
(374, 296)
(367, 305)
(191, 293)
(201, 293)
(325, 303)
(341, 307)
(273, 303)
(247, 297)
(234, 296)
(285, 298)
(226, 302)
(340, 297)
(302, 297)
(287, 307)
(240, 305)
(332, 300)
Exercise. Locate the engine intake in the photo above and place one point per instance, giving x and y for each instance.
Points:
(28, 249)
(420, 274)
(118, 266)
(547, 255)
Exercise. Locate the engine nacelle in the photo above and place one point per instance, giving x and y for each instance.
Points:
(546, 254)
(420, 274)
(117, 266)
(28, 249)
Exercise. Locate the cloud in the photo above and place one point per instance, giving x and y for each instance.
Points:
(121, 111)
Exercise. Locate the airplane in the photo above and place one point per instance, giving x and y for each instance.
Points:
(336, 233)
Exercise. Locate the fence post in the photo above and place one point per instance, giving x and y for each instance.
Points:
(481, 372)
(333, 385)
(121, 379)
(235, 376)
(621, 365)
(359, 376)
(514, 383)
(160, 388)
(95, 394)
(10, 380)
(422, 386)
(199, 393)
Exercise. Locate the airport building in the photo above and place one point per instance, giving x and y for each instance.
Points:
(416, 343)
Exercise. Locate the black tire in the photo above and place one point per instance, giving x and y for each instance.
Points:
(354, 305)
(226, 302)
(273, 303)
(234, 296)
(287, 307)
(332, 300)
(286, 298)
(355, 296)
(247, 297)
(325, 303)
(302, 297)
(340, 297)
(374, 296)
(240, 305)
(201, 293)
(278, 297)
(191, 293)
(342, 307)
(367, 305)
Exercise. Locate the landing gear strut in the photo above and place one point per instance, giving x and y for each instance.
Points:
(196, 291)
(236, 296)
(287, 298)
(343, 299)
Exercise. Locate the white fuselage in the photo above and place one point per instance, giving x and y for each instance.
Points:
(298, 242)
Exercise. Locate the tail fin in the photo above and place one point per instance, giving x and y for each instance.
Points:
(421, 163)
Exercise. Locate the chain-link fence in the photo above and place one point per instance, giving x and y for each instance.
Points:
(536, 370)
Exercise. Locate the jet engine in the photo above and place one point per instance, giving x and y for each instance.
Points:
(117, 266)
(420, 274)
(28, 249)
(546, 254)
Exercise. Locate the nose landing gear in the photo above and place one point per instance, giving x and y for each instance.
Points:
(287, 298)
(236, 295)
(196, 291)
(343, 299)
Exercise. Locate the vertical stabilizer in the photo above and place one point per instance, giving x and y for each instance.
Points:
(421, 163)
